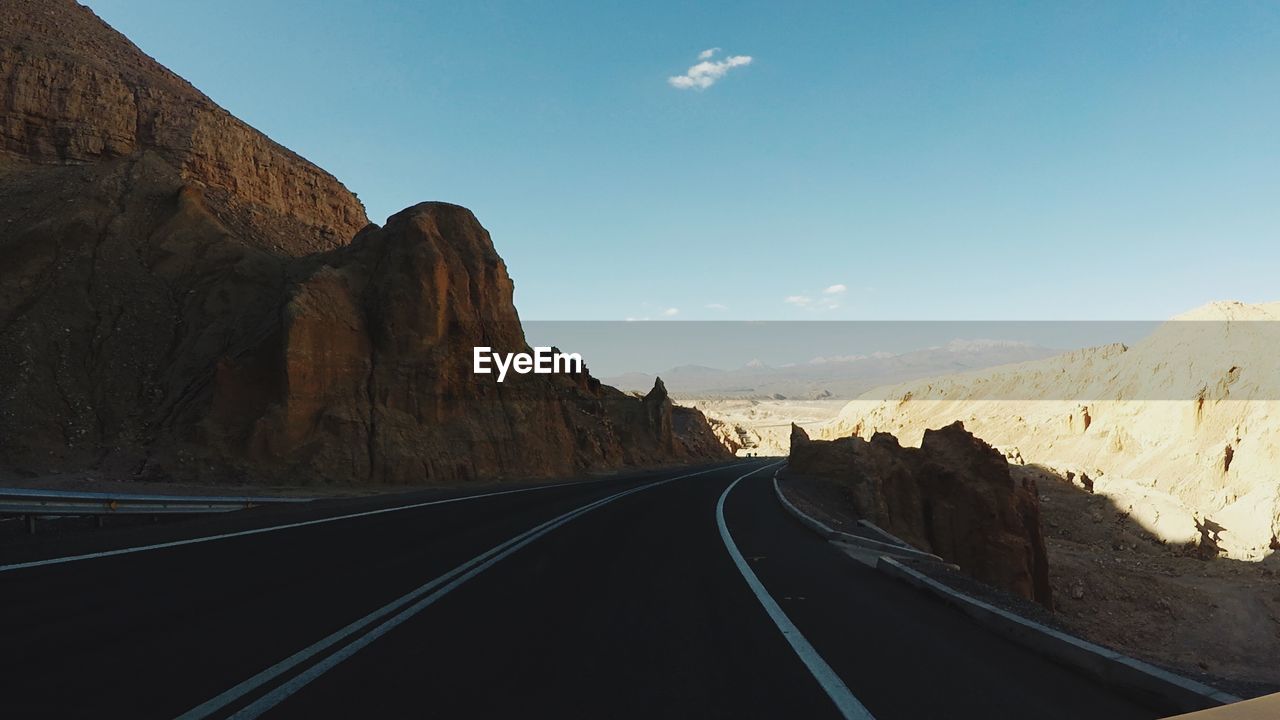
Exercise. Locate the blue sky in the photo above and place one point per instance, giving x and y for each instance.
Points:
(937, 160)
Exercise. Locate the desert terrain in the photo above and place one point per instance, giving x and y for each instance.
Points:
(1156, 467)
(1179, 430)
(764, 425)
(1118, 584)
(756, 404)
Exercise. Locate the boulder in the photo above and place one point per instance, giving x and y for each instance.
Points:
(953, 496)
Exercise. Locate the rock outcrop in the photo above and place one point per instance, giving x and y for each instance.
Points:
(181, 298)
(952, 496)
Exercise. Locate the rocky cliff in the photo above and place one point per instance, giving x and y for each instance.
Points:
(76, 91)
(182, 298)
(953, 496)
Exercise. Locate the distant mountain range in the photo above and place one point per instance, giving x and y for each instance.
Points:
(834, 377)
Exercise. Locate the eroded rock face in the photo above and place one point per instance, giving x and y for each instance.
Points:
(74, 91)
(952, 496)
(164, 313)
(374, 352)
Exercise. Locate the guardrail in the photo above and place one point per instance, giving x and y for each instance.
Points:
(31, 504)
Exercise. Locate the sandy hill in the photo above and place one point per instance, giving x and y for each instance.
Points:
(1182, 430)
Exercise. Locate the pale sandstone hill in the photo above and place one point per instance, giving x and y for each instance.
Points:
(1182, 430)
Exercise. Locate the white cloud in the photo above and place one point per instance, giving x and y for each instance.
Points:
(837, 289)
(717, 306)
(800, 300)
(671, 312)
(708, 71)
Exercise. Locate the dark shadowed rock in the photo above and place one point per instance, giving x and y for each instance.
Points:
(698, 435)
(657, 411)
(798, 436)
(373, 348)
(182, 298)
(953, 496)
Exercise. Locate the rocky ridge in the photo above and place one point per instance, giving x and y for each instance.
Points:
(76, 91)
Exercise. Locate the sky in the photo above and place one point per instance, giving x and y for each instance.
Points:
(786, 161)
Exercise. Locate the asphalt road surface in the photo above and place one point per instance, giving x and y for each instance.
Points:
(672, 594)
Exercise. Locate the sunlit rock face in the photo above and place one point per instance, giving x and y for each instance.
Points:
(76, 91)
(1181, 430)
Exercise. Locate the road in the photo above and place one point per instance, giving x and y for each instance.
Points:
(656, 594)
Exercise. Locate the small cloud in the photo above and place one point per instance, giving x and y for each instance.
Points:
(837, 289)
(705, 74)
(671, 312)
(798, 300)
(717, 306)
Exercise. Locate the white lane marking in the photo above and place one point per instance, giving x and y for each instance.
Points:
(257, 531)
(272, 528)
(440, 585)
(839, 693)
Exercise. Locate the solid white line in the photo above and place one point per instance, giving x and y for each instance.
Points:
(272, 528)
(258, 531)
(835, 688)
(440, 585)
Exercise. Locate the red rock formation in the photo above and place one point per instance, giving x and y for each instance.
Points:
(374, 348)
(953, 496)
(77, 91)
(163, 312)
